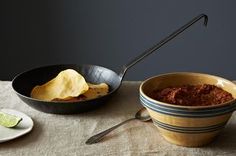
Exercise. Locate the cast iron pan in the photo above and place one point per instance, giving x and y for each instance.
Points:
(24, 82)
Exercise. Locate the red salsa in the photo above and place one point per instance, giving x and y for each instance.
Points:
(192, 95)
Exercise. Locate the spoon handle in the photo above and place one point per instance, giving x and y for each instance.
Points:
(96, 138)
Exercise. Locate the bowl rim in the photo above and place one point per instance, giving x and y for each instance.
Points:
(181, 106)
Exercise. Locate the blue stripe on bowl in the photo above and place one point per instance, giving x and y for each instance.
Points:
(186, 112)
(181, 109)
(193, 130)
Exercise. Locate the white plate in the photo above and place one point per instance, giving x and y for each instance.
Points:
(24, 127)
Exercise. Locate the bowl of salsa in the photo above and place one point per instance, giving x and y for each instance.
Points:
(189, 109)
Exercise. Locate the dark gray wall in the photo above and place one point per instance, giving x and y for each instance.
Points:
(111, 32)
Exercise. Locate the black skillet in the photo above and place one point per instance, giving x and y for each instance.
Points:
(24, 82)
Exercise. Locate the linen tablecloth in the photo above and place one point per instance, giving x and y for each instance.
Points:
(66, 134)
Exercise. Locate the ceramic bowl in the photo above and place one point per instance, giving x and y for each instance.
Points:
(190, 126)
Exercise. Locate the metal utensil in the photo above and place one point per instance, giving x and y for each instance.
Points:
(141, 115)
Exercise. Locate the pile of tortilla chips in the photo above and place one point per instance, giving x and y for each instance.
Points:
(68, 85)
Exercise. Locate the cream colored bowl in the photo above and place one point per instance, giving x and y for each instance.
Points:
(187, 125)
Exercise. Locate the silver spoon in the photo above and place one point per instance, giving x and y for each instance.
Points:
(141, 115)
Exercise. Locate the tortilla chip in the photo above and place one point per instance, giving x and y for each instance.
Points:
(96, 90)
(68, 83)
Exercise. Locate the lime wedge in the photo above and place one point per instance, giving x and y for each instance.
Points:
(8, 120)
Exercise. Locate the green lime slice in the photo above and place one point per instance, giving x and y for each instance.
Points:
(8, 120)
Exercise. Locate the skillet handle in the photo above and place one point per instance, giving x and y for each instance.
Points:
(161, 43)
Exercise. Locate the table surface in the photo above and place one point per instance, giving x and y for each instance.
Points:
(66, 134)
